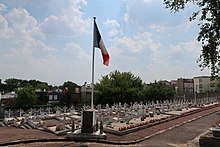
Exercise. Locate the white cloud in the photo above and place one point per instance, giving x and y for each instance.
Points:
(25, 53)
(67, 20)
(3, 23)
(191, 48)
(2, 7)
(114, 27)
(158, 28)
(40, 45)
(138, 43)
(148, 1)
(184, 27)
(23, 25)
(112, 22)
(147, 12)
(126, 17)
(77, 52)
(178, 61)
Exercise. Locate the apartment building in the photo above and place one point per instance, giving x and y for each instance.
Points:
(184, 86)
(203, 84)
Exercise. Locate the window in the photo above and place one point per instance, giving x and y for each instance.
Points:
(55, 97)
(200, 86)
(50, 97)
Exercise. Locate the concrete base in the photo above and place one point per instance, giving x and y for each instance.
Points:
(216, 132)
(208, 140)
(77, 135)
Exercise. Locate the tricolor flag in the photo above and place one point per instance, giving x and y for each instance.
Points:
(98, 42)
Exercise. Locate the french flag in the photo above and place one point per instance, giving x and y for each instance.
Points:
(98, 42)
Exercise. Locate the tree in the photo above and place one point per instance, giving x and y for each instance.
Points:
(42, 86)
(12, 84)
(118, 87)
(157, 91)
(68, 90)
(26, 97)
(69, 85)
(209, 35)
(2, 86)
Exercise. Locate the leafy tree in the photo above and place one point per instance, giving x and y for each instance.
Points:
(217, 84)
(12, 84)
(68, 88)
(42, 86)
(26, 97)
(37, 84)
(209, 35)
(157, 91)
(2, 86)
(118, 87)
(70, 85)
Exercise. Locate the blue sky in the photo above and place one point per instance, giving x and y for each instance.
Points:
(51, 40)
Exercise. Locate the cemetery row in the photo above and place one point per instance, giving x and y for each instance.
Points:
(118, 119)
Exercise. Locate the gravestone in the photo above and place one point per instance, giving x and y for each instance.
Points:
(30, 112)
(9, 113)
(157, 110)
(110, 118)
(58, 112)
(88, 121)
(162, 109)
(151, 114)
(64, 109)
(107, 107)
(21, 112)
(132, 114)
(72, 111)
(49, 110)
(2, 111)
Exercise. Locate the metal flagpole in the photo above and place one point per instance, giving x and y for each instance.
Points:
(93, 56)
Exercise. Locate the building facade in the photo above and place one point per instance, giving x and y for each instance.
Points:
(86, 91)
(203, 84)
(184, 86)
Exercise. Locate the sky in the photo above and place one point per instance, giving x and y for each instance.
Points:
(51, 40)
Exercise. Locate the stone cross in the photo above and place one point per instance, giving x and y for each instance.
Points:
(49, 110)
(58, 113)
(9, 113)
(20, 112)
(31, 112)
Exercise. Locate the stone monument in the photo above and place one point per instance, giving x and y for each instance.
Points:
(2, 111)
(88, 121)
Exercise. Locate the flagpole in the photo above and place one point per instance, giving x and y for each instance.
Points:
(93, 56)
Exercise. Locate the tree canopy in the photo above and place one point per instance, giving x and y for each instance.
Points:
(158, 91)
(117, 87)
(13, 83)
(71, 86)
(26, 97)
(209, 35)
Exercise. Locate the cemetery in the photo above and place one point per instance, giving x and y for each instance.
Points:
(118, 119)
